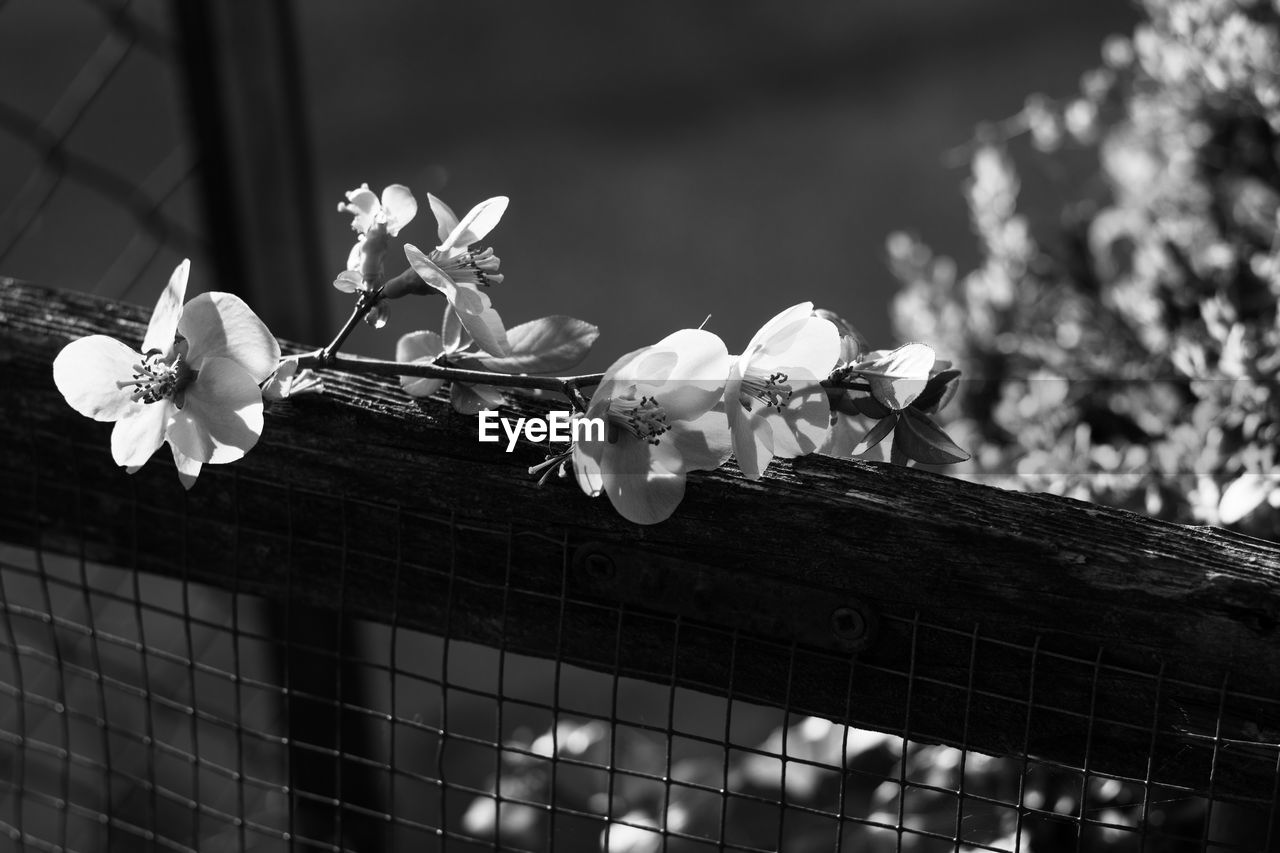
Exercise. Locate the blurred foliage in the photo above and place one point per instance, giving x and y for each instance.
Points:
(1127, 350)
(830, 770)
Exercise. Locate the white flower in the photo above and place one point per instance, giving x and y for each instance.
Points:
(657, 403)
(458, 270)
(774, 398)
(195, 383)
(374, 219)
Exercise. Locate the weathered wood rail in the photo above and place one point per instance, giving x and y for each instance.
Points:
(889, 598)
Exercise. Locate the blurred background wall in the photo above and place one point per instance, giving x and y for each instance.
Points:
(665, 161)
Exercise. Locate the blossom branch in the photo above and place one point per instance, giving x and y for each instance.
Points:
(364, 304)
(568, 385)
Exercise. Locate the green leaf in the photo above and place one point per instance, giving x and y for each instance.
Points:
(922, 440)
(545, 345)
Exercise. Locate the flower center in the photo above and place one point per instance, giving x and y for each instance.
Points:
(154, 380)
(771, 389)
(476, 267)
(644, 418)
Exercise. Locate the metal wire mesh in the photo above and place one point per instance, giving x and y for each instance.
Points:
(153, 710)
(97, 154)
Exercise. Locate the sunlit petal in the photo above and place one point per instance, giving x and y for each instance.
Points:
(476, 224)
(188, 468)
(221, 417)
(86, 372)
(769, 330)
(164, 320)
(399, 207)
(811, 344)
(363, 205)
(702, 444)
(446, 219)
(640, 490)
(221, 325)
(139, 433)
(695, 381)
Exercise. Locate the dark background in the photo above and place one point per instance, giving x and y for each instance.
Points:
(665, 161)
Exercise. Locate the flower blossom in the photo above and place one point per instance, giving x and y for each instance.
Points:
(454, 344)
(194, 385)
(458, 270)
(774, 399)
(657, 403)
(374, 221)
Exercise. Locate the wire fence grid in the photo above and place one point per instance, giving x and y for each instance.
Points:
(149, 710)
(97, 155)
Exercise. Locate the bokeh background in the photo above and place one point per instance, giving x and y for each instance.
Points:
(664, 161)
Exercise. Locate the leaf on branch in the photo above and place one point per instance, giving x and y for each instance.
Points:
(875, 435)
(941, 388)
(870, 406)
(545, 345)
(898, 377)
(924, 441)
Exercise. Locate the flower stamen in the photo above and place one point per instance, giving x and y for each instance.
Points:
(773, 389)
(548, 466)
(154, 380)
(644, 418)
(479, 268)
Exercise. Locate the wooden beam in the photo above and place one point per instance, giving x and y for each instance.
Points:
(885, 597)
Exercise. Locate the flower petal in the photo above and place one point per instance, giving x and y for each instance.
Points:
(350, 280)
(446, 219)
(455, 335)
(702, 444)
(420, 347)
(139, 433)
(802, 425)
(476, 224)
(188, 468)
(364, 205)
(86, 372)
(752, 436)
(586, 466)
(221, 325)
(163, 326)
(420, 386)
(473, 399)
(640, 490)
(769, 330)
(221, 417)
(810, 344)
(399, 207)
(355, 259)
(845, 435)
(472, 306)
(278, 384)
(691, 384)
